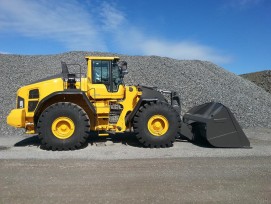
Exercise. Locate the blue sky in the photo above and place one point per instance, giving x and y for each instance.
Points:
(235, 34)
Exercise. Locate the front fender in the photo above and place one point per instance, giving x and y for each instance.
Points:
(149, 94)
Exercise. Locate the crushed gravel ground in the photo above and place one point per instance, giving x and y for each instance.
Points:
(121, 171)
(179, 180)
(196, 81)
(127, 147)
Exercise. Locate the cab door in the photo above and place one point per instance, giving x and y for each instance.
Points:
(106, 81)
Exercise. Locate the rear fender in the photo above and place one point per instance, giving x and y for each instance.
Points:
(76, 97)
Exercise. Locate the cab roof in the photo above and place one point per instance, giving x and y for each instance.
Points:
(101, 58)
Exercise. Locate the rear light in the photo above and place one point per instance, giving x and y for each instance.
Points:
(20, 102)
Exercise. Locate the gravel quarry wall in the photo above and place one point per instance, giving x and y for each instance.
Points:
(196, 81)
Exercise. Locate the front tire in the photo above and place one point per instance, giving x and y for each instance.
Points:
(63, 126)
(157, 124)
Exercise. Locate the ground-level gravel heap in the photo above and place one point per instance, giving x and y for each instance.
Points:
(196, 81)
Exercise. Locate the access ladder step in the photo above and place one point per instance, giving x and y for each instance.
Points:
(103, 134)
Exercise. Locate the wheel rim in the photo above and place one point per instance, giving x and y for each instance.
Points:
(158, 125)
(63, 127)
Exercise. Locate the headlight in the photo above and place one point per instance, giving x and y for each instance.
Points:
(20, 102)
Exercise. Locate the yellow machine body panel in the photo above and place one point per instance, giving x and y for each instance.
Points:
(127, 104)
(44, 88)
(131, 99)
(99, 91)
(16, 118)
(28, 98)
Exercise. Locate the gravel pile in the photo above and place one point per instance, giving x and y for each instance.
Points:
(196, 81)
(262, 79)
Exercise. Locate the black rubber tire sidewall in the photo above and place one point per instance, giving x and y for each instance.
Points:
(71, 111)
(141, 125)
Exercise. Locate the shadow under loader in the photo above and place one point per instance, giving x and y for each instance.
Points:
(214, 123)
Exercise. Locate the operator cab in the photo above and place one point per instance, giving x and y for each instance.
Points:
(105, 76)
(108, 73)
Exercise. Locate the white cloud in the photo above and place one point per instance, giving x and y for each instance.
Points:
(64, 21)
(132, 40)
(111, 17)
(4, 53)
(104, 28)
(184, 50)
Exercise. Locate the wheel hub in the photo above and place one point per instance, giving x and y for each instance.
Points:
(63, 127)
(158, 125)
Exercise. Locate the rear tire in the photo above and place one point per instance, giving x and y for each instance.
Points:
(63, 126)
(157, 124)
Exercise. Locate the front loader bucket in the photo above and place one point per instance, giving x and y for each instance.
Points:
(215, 123)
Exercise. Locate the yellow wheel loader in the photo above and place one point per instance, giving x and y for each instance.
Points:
(65, 109)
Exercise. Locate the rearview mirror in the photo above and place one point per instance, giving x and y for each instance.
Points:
(123, 67)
